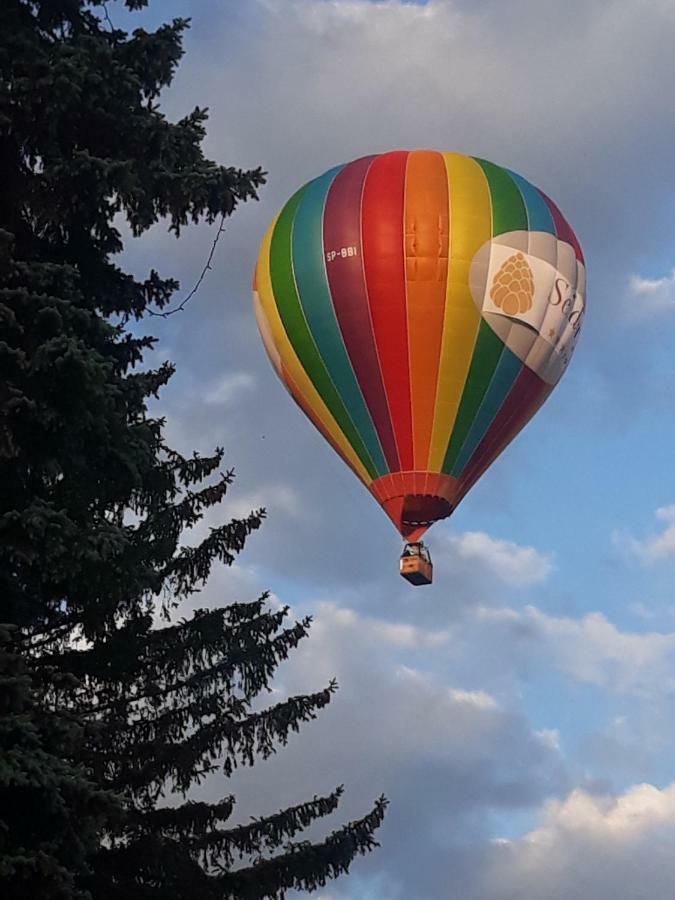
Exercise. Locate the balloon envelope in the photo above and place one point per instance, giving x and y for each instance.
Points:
(420, 307)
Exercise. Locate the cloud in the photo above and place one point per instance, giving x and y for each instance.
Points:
(617, 846)
(228, 389)
(326, 81)
(279, 500)
(379, 631)
(550, 736)
(448, 754)
(513, 564)
(454, 758)
(591, 650)
(656, 547)
(652, 295)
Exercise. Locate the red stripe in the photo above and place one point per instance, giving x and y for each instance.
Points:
(342, 234)
(524, 399)
(563, 227)
(384, 265)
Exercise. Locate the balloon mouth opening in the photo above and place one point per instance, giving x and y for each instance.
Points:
(415, 500)
(423, 510)
(418, 512)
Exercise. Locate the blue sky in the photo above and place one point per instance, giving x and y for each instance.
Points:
(518, 713)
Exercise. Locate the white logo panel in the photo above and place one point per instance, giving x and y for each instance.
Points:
(530, 289)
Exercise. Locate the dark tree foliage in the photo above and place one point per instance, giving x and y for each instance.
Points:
(107, 721)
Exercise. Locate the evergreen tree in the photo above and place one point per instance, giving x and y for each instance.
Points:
(107, 721)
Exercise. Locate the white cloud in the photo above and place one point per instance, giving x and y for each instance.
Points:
(395, 634)
(451, 755)
(280, 500)
(316, 83)
(446, 753)
(655, 547)
(652, 294)
(591, 650)
(591, 846)
(510, 562)
(228, 389)
(475, 698)
(550, 737)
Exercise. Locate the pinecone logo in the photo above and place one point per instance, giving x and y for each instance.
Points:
(513, 286)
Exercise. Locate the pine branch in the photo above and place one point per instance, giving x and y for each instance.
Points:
(186, 822)
(196, 468)
(219, 848)
(304, 866)
(147, 766)
(173, 519)
(192, 566)
(151, 868)
(147, 665)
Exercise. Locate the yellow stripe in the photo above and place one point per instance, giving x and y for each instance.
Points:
(470, 228)
(288, 357)
(266, 335)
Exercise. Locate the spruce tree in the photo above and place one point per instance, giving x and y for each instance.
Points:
(106, 720)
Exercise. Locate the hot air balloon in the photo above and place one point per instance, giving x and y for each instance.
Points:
(419, 306)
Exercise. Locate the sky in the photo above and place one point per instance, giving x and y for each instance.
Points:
(518, 714)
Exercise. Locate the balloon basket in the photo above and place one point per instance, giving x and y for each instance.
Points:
(415, 564)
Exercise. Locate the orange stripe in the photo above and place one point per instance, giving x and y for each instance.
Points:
(426, 250)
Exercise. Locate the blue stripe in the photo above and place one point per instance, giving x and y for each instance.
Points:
(539, 217)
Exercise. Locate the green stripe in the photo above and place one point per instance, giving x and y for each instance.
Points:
(508, 209)
(290, 311)
(486, 355)
(317, 305)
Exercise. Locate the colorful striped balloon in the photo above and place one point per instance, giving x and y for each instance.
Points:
(419, 307)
